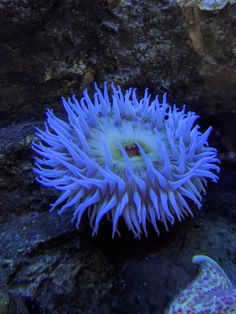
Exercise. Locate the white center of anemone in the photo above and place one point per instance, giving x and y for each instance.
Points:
(108, 136)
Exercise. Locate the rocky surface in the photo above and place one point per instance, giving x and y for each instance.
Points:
(53, 48)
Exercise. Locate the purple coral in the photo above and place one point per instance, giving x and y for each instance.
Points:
(118, 156)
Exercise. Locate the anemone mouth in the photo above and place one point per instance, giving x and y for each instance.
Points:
(130, 135)
(132, 149)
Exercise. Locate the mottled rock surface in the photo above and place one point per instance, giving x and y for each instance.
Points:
(53, 48)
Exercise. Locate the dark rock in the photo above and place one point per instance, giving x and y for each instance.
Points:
(19, 191)
(56, 48)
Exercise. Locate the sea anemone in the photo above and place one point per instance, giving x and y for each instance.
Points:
(118, 156)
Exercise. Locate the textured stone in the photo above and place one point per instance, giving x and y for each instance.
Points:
(54, 48)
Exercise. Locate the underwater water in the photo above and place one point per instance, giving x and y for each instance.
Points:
(148, 235)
